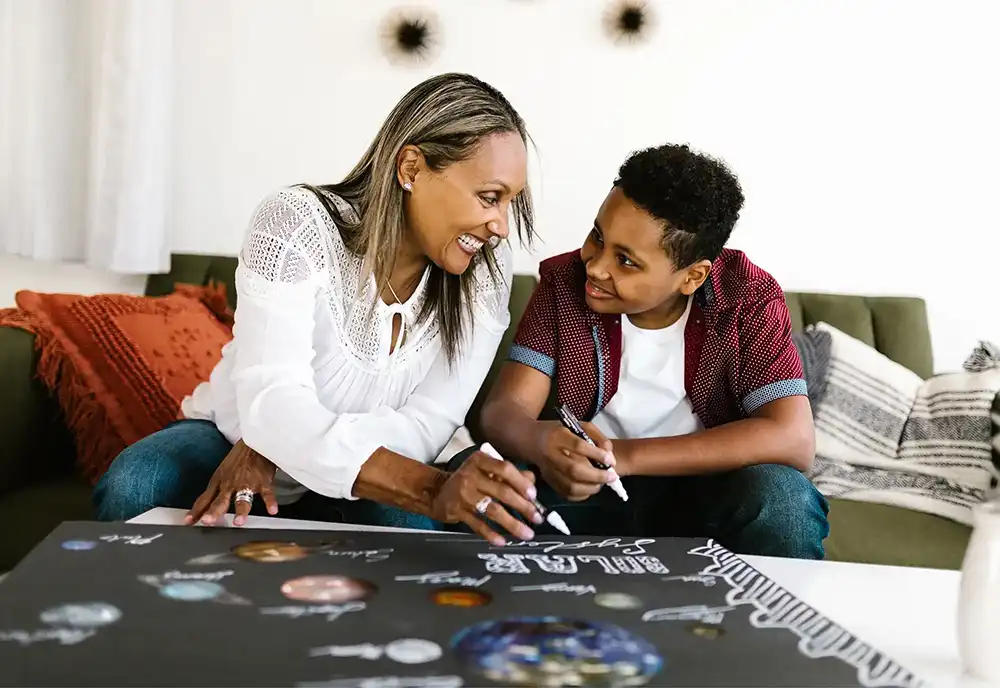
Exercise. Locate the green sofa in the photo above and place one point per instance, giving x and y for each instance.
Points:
(39, 487)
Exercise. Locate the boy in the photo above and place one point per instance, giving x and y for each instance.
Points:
(678, 354)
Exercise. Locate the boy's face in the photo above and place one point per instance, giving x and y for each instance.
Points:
(629, 271)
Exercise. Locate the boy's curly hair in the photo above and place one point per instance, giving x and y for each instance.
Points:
(696, 196)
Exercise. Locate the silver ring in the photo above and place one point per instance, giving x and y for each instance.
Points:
(245, 495)
(483, 504)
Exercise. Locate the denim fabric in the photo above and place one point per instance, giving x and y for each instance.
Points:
(767, 509)
(172, 468)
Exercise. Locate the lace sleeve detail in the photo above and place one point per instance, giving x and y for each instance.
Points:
(493, 293)
(284, 243)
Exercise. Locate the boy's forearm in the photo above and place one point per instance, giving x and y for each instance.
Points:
(511, 430)
(724, 448)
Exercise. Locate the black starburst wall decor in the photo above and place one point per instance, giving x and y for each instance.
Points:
(410, 35)
(628, 21)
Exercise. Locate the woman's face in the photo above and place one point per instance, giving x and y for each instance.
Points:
(452, 213)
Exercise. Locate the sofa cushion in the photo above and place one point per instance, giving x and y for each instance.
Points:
(29, 514)
(31, 423)
(894, 325)
(893, 536)
(860, 401)
(119, 365)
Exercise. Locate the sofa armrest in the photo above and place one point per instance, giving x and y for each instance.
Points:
(35, 444)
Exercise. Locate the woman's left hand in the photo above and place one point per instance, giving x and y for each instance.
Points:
(242, 469)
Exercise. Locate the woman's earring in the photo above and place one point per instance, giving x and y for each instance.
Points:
(408, 186)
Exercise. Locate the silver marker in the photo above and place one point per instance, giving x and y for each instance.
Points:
(554, 519)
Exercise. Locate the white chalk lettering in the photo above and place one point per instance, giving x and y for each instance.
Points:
(368, 555)
(64, 636)
(566, 564)
(365, 651)
(505, 563)
(388, 682)
(653, 565)
(707, 581)
(600, 559)
(559, 565)
(627, 547)
(332, 612)
(445, 578)
(131, 539)
(694, 612)
(205, 575)
(557, 587)
(774, 607)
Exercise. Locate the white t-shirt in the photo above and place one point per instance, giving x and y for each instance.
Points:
(308, 379)
(651, 400)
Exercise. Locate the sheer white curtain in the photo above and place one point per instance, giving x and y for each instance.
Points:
(86, 90)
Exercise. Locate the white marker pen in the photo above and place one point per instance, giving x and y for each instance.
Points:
(554, 519)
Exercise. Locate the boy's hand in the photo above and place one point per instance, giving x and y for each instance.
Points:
(564, 460)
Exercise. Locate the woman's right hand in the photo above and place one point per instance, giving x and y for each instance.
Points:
(480, 477)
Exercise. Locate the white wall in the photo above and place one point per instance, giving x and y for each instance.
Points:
(864, 131)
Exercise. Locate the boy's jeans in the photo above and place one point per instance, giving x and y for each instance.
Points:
(767, 509)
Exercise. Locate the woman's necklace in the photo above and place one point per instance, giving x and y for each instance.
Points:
(393, 292)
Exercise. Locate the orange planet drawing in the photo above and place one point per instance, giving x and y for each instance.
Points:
(460, 597)
(271, 552)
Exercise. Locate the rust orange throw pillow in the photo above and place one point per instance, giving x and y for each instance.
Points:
(120, 365)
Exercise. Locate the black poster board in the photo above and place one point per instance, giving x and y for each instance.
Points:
(109, 604)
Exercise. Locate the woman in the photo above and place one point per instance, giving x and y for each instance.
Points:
(368, 315)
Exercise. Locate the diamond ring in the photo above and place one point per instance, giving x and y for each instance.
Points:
(245, 495)
(483, 504)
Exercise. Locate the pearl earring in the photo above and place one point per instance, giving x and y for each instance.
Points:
(408, 186)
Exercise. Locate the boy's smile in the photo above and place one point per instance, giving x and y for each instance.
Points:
(629, 270)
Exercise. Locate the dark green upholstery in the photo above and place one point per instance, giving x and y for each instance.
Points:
(39, 488)
(896, 326)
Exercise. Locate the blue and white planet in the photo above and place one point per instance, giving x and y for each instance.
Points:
(553, 651)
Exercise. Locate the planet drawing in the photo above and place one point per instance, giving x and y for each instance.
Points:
(329, 589)
(460, 597)
(553, 651)
(269, 552)
(79, 545)
(83, 615)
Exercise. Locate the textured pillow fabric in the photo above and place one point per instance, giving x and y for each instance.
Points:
(860, 400)
(996, 438)
(885, 436)
(948, 437)
(118, 364)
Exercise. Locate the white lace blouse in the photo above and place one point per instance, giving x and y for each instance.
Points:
(308, 380)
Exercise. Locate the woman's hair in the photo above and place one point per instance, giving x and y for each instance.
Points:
(446, 117)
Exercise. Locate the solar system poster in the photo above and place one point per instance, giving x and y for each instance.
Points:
(114, 604)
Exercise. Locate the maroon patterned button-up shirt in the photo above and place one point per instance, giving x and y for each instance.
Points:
(738, 350)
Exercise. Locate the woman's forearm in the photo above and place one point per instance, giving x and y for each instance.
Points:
(395, 480)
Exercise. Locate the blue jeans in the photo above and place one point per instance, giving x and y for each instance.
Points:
(767, 509)
(172, 468)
